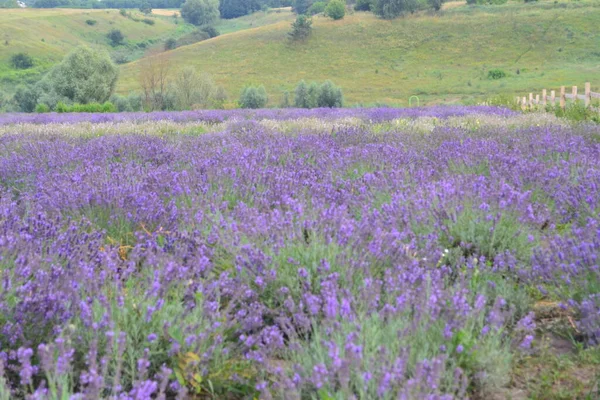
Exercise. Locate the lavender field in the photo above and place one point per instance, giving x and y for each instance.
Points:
(439, 253)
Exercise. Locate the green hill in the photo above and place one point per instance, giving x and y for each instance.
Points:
(440, 58)
(48, 34)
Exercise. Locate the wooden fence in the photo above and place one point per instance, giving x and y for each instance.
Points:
(535, 101)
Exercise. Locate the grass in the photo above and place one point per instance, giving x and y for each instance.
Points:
(441, 58)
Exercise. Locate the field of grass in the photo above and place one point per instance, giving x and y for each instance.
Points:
(48, 34)
(440, 58)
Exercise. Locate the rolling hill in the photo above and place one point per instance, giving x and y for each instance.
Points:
(439, 57)
(48, 34)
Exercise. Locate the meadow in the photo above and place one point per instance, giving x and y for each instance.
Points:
(439, 253)
(441, 57)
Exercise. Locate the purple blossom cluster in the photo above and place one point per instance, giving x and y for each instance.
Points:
(217, 116)
(288, 264)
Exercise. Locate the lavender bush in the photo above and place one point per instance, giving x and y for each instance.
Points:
(326, 254)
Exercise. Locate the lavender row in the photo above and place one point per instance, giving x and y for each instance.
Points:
(217, 116)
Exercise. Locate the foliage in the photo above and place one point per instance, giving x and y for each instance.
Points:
(310, 96)
(25, 98)
(145, 7)
(200, 12)
(21, 61)
(496, 74)
(170, 44)
(435, 4)
(330, 95)
(148, 21)
(193, 90)
(236, 8)
(211, 31)
(84, 76)
(106, 107)
(91, 22)
(390, 9)
(254, 97)
(301, 7)
(317, 8)
(42, 108)
(116, 37)
(364, 5)
(336, 9)
(301, 28)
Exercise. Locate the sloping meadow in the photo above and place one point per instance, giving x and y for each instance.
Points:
(312, 256)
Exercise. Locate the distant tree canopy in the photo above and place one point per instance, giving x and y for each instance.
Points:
(200, 12)
(390, 9)
(301, 7)
(21, 61)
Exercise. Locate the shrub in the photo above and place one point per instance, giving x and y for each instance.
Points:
(121, 103)
(116, 37)
(301, 7)
(170, 44)
(254, 97)
(123, 12)
(317, 8)
(21, 61)
(193, 90)
(211, 31)
(120, 57)
(42, 108)
(330, 95)
(193, 37)
(61, 107)
(301, 97)
(364, 5)
(390, 9)
(135, 101)
(25, 99)
(91, 22)
(148, 21)
(200, 12)
(336, 9)
(146, 8)
(496, 74)
(435, 4)
(301, 28)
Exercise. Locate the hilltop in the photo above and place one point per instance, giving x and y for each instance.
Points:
(442, 57)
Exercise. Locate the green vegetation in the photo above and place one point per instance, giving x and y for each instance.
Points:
(21, 61)
(48, 35)
(336, 9)
(116, 37)
(313, 95)
(442, 58)
(200, 12)
(301, 29)
(254, 97)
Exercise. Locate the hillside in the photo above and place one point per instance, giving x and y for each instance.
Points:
(440, 58)
(48, 34)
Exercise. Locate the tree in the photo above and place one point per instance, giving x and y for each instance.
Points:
(336, 9)
(390, 9)
(84, 76)
(21, 61)
(254, 97)
(364, 5)
(301, 28)
(145, 7)
(154, 80)
(237, 8)
(200, 12)
(435, 4)
(194, 90)
(330, 95)
(301, 98)
(301, 6)
(116, 37)
(25, 98)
